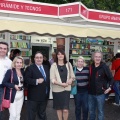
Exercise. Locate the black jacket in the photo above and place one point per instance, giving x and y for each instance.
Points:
(37, 92)
(99, 77)
(7, 83)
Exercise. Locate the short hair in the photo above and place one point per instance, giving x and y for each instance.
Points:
(93, 54)
(81, 57)
(38, 52)
(4, 43)
(11, 50)
(117, 55)
(63, 53)
(16, 51)
(15, 59)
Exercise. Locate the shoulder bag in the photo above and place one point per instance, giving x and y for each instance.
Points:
(5, 102)
(74, 85)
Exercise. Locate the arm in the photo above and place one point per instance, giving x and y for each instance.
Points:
(110, 78)
(54, 79)
(7, 80)
(29, 77)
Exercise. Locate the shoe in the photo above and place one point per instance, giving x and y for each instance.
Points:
(115, 104)
(106, 99)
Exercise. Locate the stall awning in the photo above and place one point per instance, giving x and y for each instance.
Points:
(14, 26)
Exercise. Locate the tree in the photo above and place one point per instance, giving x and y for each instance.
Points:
(109, 5)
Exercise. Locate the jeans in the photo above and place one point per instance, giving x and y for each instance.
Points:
(96, 102)
(81, 102)
(1, 96)
(117, 91)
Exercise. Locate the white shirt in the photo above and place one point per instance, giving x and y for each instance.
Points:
(5, 64)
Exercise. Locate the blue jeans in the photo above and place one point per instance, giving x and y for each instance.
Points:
(1, 96)
(81, 102)
(117, 92)
(96, 102)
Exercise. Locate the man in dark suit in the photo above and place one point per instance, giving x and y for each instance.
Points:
(38, 81)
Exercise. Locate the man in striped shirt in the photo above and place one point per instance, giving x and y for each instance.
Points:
(81, 98)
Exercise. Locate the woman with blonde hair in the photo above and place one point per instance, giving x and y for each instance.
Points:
(17, 95)
(81, 98)
(61, 76)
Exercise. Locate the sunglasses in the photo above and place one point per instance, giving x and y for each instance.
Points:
(21, 80)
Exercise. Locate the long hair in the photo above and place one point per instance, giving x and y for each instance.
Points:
(63, 53)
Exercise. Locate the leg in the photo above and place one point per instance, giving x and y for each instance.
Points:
(59, 114)
(92, 107)
(41, 111)
(100, 106)
(117, 92)
(32, 109)
(12, 111)
(1, 96)
(78, 104)
(65, 114)
(85, 106)
(19, 107)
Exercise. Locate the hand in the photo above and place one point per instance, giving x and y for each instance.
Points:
(69, 82)
(17, 88)
(40, 80)
(64, 84)
(107, 90)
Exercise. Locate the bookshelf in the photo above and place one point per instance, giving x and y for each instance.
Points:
(86, 46)
(21, 42)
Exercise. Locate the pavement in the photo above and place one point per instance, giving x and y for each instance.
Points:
(111, 112)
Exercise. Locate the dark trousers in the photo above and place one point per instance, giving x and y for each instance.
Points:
(36, 108)
(81, 105)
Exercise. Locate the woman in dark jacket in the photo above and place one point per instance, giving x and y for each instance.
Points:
(17, 96)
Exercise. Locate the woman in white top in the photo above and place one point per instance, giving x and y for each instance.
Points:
(17, 95)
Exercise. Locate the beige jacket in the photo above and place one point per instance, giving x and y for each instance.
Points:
(54, 75)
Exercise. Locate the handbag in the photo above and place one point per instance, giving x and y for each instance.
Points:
(5, 102)
(74, 85)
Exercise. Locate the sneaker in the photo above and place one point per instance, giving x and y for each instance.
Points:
(106, 99)
(115, 104)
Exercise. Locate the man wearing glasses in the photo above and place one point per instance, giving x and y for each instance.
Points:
(37, 78)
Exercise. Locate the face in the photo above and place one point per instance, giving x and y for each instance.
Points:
(60, 56)
(3, 50)
(18, 64)
(53, 55)
(38, 59)
(97, 58)
(80, 63)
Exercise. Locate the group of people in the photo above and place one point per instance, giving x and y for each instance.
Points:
(91, 85)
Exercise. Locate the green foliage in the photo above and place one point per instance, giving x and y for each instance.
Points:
(109, 5)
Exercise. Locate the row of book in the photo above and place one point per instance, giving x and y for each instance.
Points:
(20, 37)
(20, 45)
(25, 53)
(91, 41)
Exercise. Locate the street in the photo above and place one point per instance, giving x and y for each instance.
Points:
(111, 112)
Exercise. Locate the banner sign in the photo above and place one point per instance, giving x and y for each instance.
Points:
(28, 8)
(69, 9)
(102, 16)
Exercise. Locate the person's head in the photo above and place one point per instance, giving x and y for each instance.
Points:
(80, 62)
(97, 57)
(60, 56)
(38, 58)
(117, 55)
(3, 49)
(18, 62)
(53, 55)
(11, 53)
(16, 52)
(44, 57)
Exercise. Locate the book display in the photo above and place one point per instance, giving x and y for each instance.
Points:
(2, 36)
(86, 46)
(22, 42)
